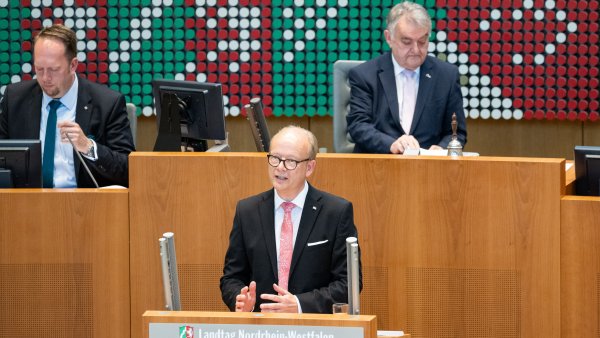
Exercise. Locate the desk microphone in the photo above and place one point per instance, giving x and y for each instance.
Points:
(82, 161)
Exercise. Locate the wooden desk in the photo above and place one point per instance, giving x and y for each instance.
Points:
(459, 247)
(64, 263)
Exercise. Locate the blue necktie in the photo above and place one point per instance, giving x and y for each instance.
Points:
(48, 160)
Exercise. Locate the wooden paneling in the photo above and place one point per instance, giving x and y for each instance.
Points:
(64, 263)
(482, 227)
(580, 266)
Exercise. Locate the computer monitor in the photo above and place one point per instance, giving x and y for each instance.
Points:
(20, 164)
(587, 171)
(188, 114)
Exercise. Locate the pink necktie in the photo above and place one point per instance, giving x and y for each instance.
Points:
(286, 245)
(409, 99)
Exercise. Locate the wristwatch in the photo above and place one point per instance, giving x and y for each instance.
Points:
(90, 151)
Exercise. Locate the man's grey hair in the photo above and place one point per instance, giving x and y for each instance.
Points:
(415, 13)
(310, 137)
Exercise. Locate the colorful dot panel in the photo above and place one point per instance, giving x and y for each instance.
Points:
(518, 59)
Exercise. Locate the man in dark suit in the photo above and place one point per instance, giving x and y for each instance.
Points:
(405, 98)
(91, 115)
(268, 268)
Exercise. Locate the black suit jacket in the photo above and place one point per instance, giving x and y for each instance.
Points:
(374, 120)
(101, 114)
(318, 272)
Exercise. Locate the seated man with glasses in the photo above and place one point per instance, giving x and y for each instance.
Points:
(287, 248)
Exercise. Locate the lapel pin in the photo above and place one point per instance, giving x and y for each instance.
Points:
(428, 76)
(314, 208)
(85, 107)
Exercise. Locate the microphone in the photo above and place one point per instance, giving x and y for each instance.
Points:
(82, 161)
(353, 275)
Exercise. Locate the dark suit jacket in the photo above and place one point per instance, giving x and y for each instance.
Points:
(318, 272)
(374, 121)
(101, 114)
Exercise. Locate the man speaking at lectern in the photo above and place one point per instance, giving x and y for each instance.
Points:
(287, 247)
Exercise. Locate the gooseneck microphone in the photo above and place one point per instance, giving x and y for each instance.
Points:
(82, 161)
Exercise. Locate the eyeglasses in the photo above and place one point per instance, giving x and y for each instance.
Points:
(289, 164)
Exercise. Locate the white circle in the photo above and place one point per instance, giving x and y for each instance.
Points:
(550, 4)
(309, 12)
(58, 12)
(244, 23)
(200, 2)
(15, 79)
(474, 69)
(146, 12)
(234, 111)
(332, 12)
(528, 4)
(47, 3)
(222, 12)
(233, 12)
(3, 88)
(299, 45)
(474, 81)
(298, 3)
(441, 47)
(441, 36)
(48, 22)
(135, 23)
(69, 12)
(255, 23)
(147, 111)
(124, 45)
(484, 91)
(80, 45)
(157, 12)
(485, 114)
(288, 34)
(136, 45)
(255, 45)
(146, 23)
(464, 91)
(474, 113)
(550, 48)
(81, 56)
(234, 67)
(452, 58)
(485, 80)
(156, 2)
(91, 23)
(225, 100)
(321, 23)
(225, 109)
(474, 102)
(517, 14)
(179, 77)
(287, 12)
(517, 114)
(517, 59)
(211, 23)
(233, 23)
(506, 103)
(299, 23)
(244, 12)
(35, 13)
(201, 77)
(234, 45)
(539, 59)
(288, 56)
(561, 37)
(244, 45)
(310, 34)
(80, 12)
(452, 47)
(321, 3)
(506, 114)
(34, 3)
(211, 56)
(342, 3)
(113, 67)
(561, 15)
(69, 23)
(80, 34)
(91, 12)
(125, 56)
(496, 92)
(68, 3)
(463, 69)
(244, 34)
(495, 14)
(496, 103)
(146, 34)
(485, 102)
(113, 56)
(572, 27)
(79, 23)
(222, 45)
(91, 45)
(255, 12)
(190, 67)
(431, 48)
(496, 114)
(463, 58)
(232, 2)
(135, 34)
(200, 12)
(539, 15)
(474, 91)
(244, 56)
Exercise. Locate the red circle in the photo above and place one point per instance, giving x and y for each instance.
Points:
(572, 116)
(528, 92)
(561, 115)
(518, 103)
(539, 114)
(518, 69)
(593, 116)
(550, 115)
(528, 114)
(561, 93)
(582, 116)
(550, 104)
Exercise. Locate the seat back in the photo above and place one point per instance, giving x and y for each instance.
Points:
(132, 116)
(342, 142)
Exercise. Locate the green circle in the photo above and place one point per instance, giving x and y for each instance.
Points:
(147, 66)
(310, 78)
(365, 56)
(190, 56)
(300, 78)
(147, 100)
(178, 11)
(288, 111)
(320, 12)
(311, 90)
(179, 45)
(147, 78)
(136, 78)
(125, 89)
(190, 12)
(299, 99)
(355, 45)
(156, 24)
(277, 68)
(288, 67)
(15, 45)
(168, 23)
(343, 46)
(4, 78)
(310, 57)
(180, 67)
(321, 100)
(342, 12)
(311, 100)
(300, 67)
(168, 45)
(168, 35)
(179, 34)
(157, 56)
(288, 45)
(4, 68)
(310, 45)
(277, 101)
(299, 34)
(277, 24)
(355, 56)
(288, 24)
(113, 78)
(344, 35)
(321, 68)
(27, 57)
(15, 35)
(136, 67)
(167, 12)
(289, 99)
(124, 35)
(190, 34)
(136, 56)
(321, 57)
(354, 12)
(332, 45)
(322, 111)
(299, 12)
(134, 12)
(364, 35)
(137, 100)
(321, 34)
(309, 23)
(169, 67)
(3, 13)
(124, 13)
(3, 45)
(26, 13)
(288, 78)
(277, 45)
(321, 45)
(277, 78)
(3, 26)
(147, 89)
(113, 45)
(311, 67)
(343, 24)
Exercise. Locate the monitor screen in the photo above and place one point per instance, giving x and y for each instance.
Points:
(20, 164)
(188, 114)
(587, 171)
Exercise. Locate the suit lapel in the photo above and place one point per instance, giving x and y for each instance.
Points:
(35, 114)
(426, 79)
(312, 208)
(266, 209)
(388, 83)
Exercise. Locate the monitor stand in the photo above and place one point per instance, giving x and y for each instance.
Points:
(6, 180)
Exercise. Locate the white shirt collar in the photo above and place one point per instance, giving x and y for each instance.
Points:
(398, 69)
(69, 100)
(298, 200)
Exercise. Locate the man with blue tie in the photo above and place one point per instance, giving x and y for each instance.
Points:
(287, 248)
(58, 106)
(404, 99)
